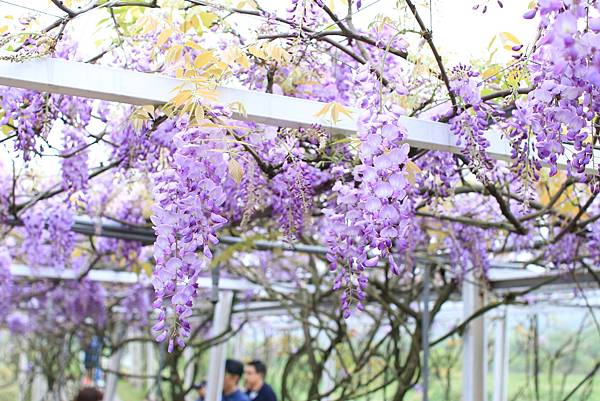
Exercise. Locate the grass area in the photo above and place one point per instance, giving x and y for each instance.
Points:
(9, 392)
(128, 392)
(520, 388)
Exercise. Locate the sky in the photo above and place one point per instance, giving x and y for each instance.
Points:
(460, 32)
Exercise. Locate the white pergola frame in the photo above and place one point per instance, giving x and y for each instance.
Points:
(138, 88)
(119, 85)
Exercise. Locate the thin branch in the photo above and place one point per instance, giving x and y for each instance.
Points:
(582, 382)
(427, 35)
(505, 209)
(569, 227)
(468, 221)
(506, 92)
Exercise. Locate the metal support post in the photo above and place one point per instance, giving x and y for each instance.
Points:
(216, 370)
(501, 350)
(425, 333)
(114, 365)
(474, 348)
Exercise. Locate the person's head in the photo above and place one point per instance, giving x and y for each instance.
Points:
(233, 373)
(255, 372)
(89, 394)
(201, 389)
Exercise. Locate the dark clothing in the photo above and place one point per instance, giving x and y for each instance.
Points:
(237, 395)
(265, 393)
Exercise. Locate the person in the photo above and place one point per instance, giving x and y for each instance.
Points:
(256, 388)
(201, 389)
(89, 394)
(233, 373)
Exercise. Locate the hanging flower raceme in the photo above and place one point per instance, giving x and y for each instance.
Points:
(62, 239)
(370, 215)
(369, 218)
(74, 161)
(563, 106)
(467, 249)
(293, 192)
(25, 111)
(137, 303)
(5, 190)
(6, 283)
(186, 215)
(304, 13)
(48, 239)
(470, 124)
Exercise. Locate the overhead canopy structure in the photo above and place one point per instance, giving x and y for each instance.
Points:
(138, 88)
(110, 84)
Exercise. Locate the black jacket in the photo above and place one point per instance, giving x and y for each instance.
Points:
(264, 394)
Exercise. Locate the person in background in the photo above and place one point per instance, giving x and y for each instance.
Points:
(233, 373)
(256, 388)
(201, 389)
(89, 394)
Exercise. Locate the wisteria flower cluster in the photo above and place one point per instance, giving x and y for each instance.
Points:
(186, 215)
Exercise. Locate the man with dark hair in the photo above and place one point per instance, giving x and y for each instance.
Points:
(233, 373)
(201, 389)
(89, 394)
(256, 388)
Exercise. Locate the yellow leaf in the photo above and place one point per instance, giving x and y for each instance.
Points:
(147, 23)
(196, 23)
(181, 97)
(3, 28)
(334, 112)
(148, 109)
(250, 3)
(491, 42)
(343, 110)
(507, 36)
(235, 170)
(202, 59)
(413, 170)
(243, 60)
(324, 110)
(148, 268)
(491, 72)
(257, 52)
(278, 53)
(199, 113)
(6, 129)
(238, 107)
(513, 78)
(207, 94)
(335, 109)
(208, 18)
(173, 54)
(163, 37)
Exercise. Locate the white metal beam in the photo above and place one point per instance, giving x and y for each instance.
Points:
(118, 277)
(132, 87)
